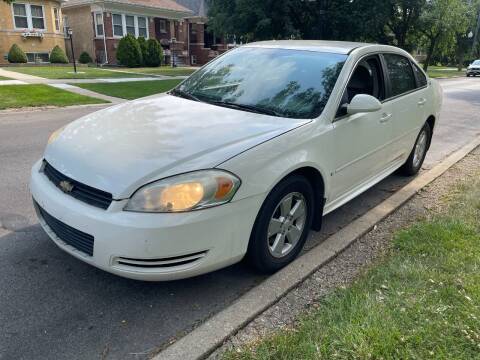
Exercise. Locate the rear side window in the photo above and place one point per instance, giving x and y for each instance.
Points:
(401, 75)
(421, 78)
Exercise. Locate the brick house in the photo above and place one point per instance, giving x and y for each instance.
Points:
(99, 25)
(34, 25)
(183, 21)
(203, 45)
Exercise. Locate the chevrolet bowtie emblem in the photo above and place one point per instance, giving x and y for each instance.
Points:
(66, 186)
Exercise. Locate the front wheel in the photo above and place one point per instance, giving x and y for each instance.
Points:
(415, 161)
(282, 225)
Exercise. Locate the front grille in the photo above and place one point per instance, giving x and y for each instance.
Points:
(82, 192)
(73, 237)
(161, 262)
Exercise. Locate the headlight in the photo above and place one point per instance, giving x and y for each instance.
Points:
(55, 135)
(186, 192)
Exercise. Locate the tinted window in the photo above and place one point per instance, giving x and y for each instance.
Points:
(401, 75)
(290, 83)
(421, 78)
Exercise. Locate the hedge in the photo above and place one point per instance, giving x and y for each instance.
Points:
(16, 55)
(57, 56)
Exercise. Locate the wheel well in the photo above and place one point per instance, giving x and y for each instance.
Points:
(316, 180)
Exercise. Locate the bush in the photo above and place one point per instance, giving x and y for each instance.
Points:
(143, 48)
(57, 56)
(153, 53)
(85, 58)
(16, 55)
(129, 52)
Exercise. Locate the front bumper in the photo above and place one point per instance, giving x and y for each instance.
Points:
(156, 246)
(473, 71)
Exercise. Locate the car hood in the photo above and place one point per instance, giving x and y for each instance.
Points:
(123, 147)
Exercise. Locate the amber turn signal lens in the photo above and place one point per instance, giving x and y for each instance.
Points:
(224, 186)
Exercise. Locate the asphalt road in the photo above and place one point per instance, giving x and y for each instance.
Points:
(53, 306)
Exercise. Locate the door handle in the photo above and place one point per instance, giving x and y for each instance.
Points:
(422, 102)
(385, 118)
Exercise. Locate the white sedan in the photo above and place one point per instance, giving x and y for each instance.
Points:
(242, 159)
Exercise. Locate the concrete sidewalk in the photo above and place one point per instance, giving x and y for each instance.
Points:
(80, 91)
(19, 76)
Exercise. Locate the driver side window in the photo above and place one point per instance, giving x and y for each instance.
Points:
(366, 79)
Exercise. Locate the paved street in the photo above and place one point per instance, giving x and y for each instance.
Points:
(53, 306)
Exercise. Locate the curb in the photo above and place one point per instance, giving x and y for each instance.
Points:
(205, 339)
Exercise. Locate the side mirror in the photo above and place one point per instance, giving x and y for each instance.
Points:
(363, 103)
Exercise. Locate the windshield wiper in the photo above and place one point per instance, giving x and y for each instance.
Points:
(250, 108)
(184, 94)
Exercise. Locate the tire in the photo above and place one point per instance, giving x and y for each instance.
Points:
(267, 253)
(415, 161)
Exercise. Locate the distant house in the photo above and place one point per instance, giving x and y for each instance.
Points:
(204, 46)
(179, 26)
(35, 26)
(99, 25)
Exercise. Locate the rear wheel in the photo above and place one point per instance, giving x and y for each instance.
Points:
(415, 161)
(282, 225)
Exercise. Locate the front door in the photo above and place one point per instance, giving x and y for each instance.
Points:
(362, 140)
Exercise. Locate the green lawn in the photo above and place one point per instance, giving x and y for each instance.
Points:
(66, 72)
(132, 89)
(444, 72)
(18, 96)
(4, 78)
(420, 302)
(163, 70)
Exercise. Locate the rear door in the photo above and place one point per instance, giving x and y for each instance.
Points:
(407, 96)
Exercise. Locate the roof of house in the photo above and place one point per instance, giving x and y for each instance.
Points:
(170, 5)
(199, 7)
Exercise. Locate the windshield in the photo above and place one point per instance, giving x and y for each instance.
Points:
(280, 82)
(476, 62)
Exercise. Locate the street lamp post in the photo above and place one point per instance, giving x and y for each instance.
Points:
(70, 33)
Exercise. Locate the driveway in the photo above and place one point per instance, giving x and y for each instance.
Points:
(53, 306)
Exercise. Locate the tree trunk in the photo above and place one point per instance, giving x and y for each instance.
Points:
(430, 51)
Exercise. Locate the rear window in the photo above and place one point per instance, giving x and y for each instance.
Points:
(401, 75)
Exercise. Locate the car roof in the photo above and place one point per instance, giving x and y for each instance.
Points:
(337, 47)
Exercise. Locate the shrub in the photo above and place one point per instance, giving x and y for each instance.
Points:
(57, 56)
(154, 53)
(143, 48)
(85, 58)
(129, 52)
(16, 55)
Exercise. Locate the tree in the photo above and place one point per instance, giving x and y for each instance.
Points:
(153, 53)
(129, 52)
(440, 22)
(143, 47)
(16, 55)
(57, 56)
(85, 58)
(403, 21)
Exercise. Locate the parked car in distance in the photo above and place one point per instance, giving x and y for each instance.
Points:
(242, 159)
(473, 69)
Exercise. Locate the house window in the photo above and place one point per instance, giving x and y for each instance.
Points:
(28, 16)
(20, 15)
(142, 27)
(129, 24)
(37, 57)
(37, 16)
(99, 24)
(163, 26)
(65, 26)
(56, 16)
(117, 25)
